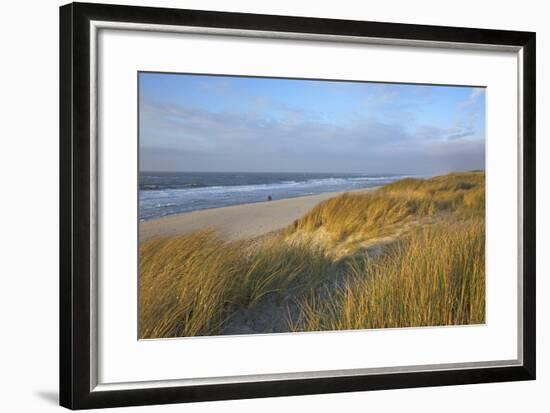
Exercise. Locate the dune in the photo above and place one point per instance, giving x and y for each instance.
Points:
(238, 221)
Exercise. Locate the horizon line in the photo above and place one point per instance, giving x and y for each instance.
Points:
(281, 172)
(317, 172)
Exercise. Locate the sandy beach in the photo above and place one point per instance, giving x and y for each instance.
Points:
(238, 221)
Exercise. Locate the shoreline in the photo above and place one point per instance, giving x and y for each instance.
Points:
(238, 221)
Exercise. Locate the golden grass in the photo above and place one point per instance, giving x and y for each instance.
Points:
(431, 274)
(373, 214)
(434, 277)
(189, 285)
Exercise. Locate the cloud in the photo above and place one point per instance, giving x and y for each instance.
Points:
(280, 138)
(459, 134)
(473, 98)
(476, 92)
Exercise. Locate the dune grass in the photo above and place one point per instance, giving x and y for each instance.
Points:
(190, 285)
(431, 274)
(372, 214)
(434, 277)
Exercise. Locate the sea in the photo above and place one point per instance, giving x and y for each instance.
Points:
(167, 193)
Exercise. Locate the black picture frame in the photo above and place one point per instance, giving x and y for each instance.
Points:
(75, 219)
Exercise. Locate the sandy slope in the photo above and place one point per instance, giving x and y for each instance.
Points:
(235, 222)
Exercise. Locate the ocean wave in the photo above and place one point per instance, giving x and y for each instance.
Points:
(275, 185)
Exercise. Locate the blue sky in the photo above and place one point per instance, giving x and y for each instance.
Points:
(222, 123)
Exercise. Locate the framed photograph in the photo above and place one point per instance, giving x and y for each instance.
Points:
(258, 206)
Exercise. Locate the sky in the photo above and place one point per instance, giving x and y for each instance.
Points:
(246, 124)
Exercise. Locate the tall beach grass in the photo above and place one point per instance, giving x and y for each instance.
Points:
(373, 214)
(190, 285)
(434, 277)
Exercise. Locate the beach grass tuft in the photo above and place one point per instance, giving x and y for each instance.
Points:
(190, 285)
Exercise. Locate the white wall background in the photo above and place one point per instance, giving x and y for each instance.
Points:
(29, 205)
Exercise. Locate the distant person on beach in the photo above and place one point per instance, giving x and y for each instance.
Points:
(269, 198)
